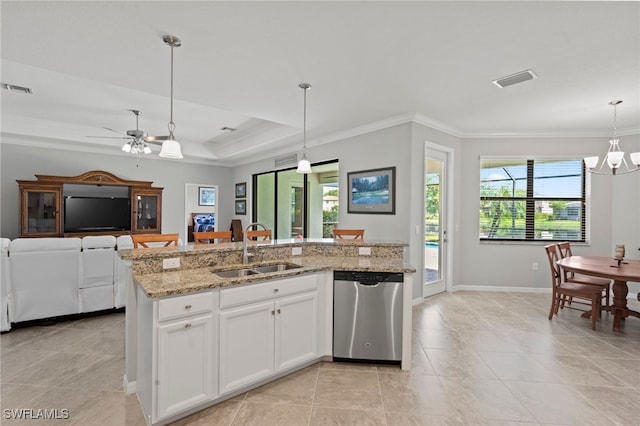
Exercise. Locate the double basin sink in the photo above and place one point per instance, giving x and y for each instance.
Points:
(255, 270)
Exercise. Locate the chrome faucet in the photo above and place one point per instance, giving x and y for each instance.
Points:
(245, 241)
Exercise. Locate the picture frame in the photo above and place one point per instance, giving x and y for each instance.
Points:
(241, 207)
(241, 190)
(372, 191)
(206, 196)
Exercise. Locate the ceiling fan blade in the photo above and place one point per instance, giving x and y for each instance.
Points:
(110, 137)
(152, 139)
(111, 130)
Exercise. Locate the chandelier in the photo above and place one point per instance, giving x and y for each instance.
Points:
(614, 158)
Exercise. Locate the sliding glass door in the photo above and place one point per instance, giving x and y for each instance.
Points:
(294, 205)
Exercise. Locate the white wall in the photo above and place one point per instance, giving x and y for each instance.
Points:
(24, 162)
(401, 146)
(614, 215)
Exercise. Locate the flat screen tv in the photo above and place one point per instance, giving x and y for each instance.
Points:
(95, 214)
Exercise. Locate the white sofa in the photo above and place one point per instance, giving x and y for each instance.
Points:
(50, 277)
(5, 324)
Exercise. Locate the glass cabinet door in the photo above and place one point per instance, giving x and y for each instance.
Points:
(146, 213)
(42, 210)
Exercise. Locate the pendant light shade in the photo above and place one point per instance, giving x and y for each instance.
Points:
(171, 147)
(304, 166)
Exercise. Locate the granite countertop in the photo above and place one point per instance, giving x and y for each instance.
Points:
(193, 250)
(184, 281)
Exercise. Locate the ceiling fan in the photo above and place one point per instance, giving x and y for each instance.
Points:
(138, 139)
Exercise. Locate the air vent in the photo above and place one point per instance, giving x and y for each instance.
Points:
(286, 160)
(516, 78)
(14, 88)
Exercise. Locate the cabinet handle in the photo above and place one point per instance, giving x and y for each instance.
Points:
(278, 310)
(187, 306)
(273, 312)
(275, 290)
(187, 325)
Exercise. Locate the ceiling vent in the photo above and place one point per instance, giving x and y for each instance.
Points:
(286, 160)
(516, 78)
(14, 88)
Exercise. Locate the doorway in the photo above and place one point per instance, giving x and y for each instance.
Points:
(436, 198)
(200, 209)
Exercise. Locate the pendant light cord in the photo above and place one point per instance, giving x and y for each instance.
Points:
(172, 125)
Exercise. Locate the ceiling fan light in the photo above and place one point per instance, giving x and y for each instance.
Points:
(635, 158)
(171, 149)
(146, 150)
(134, 150)
(126, 147)
(304, 166)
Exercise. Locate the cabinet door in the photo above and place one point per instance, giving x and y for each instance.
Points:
(146, 211)
(246, 345)
(296, 330)
(41, 213)
(185, 364)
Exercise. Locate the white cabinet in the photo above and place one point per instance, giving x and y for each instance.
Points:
(185, 364)
(259, 337)
(179, 336)
(296, 330)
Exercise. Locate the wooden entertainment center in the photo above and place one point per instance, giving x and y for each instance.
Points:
(42, 207)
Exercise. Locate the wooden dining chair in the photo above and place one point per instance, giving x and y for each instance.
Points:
(211, 237)
(583, 294)
(354, 234)
(156, 240)
(564, 250)
(259, 235)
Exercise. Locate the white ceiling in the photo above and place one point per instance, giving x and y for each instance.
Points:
(369, 63)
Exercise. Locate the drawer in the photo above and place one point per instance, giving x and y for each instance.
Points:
(267, 290)
(180, 306)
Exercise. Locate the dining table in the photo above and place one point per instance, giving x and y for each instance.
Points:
(620, 271)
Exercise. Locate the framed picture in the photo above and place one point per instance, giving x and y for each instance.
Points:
(206, 196)
(372, 191)
(241, 190)
(241, 206)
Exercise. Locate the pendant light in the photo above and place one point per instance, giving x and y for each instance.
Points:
(304, 166)
(171, 147)
(614, 158)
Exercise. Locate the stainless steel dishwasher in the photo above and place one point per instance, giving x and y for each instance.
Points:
(367, 316)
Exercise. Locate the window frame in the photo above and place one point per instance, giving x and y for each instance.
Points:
(530, 200)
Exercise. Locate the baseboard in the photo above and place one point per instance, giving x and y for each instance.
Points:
(129, 387)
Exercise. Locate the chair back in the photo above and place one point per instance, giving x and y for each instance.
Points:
(354, 234)
(564, 250)
(259, 235)
(211, 237)
(552, 256)
(156, 240)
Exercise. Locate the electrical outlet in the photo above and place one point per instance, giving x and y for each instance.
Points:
(171, 263)
(296, 251)
(364, 251)
(534, 266)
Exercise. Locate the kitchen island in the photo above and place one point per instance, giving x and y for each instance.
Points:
(203, 327)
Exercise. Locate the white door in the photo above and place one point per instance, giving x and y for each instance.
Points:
(296, 330)
(246, 345)
(436, 197)
(185, 364)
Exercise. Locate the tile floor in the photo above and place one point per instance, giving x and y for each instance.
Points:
(478, 359)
